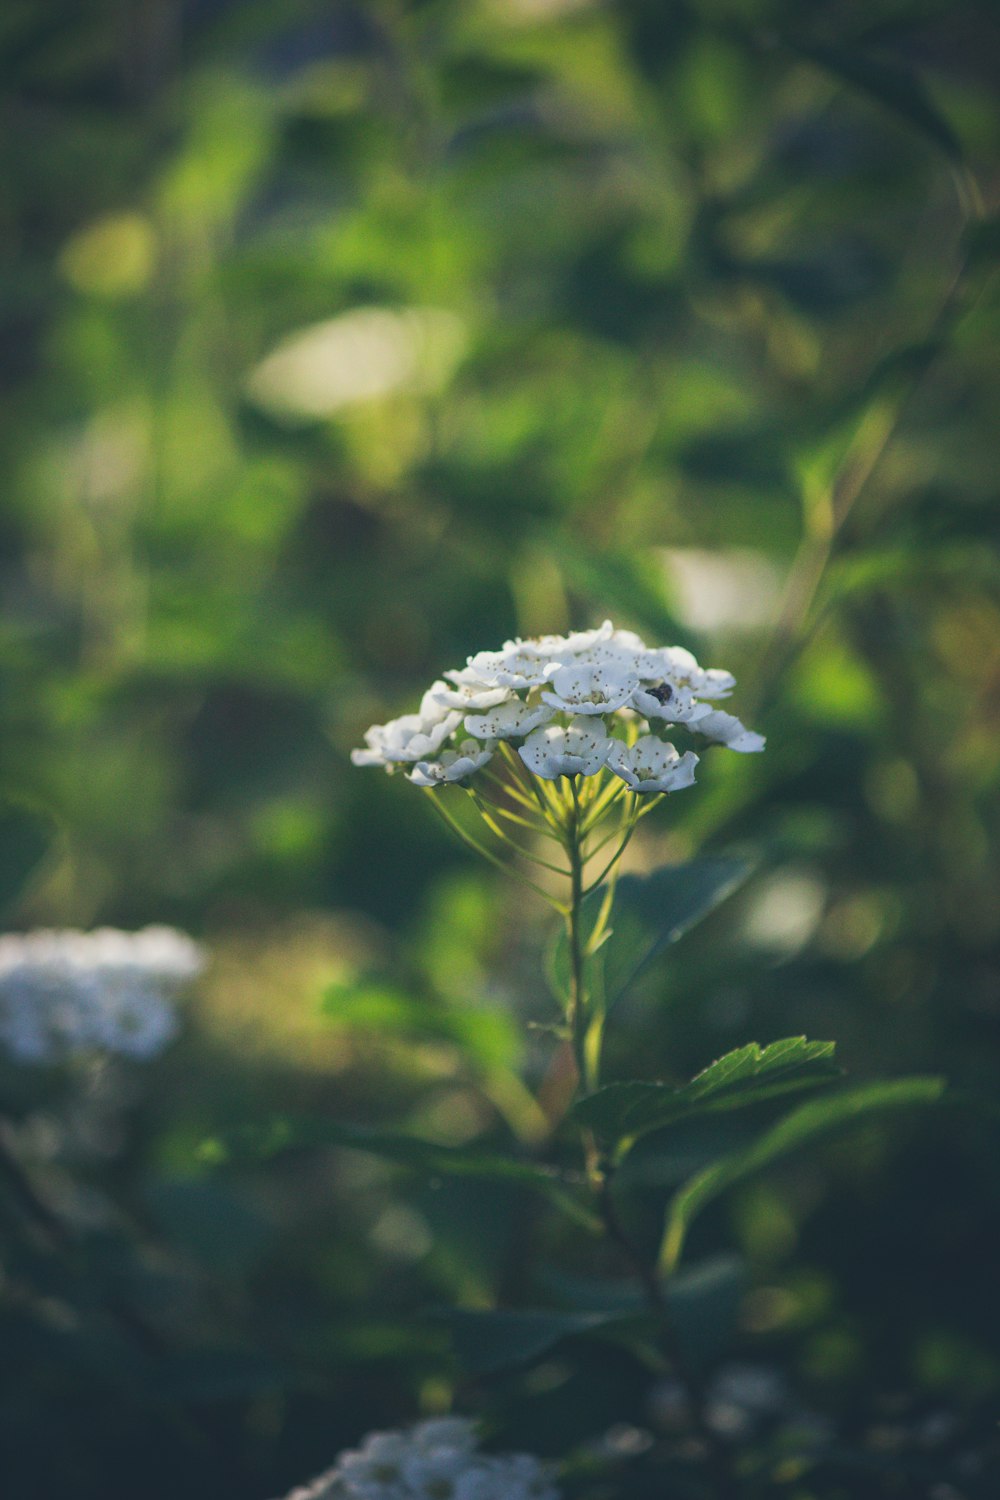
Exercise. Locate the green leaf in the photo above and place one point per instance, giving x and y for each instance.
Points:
(602, 1294)
(260, 1142)
(221, 1375)
(653, 911)
(808, 1123)
(704, 1304)
(224, 1232)
(746, 1076)
(650, 913)
(26, 836)
(488, 1037)
(490, 1341)
(982, 241)
(889, 84)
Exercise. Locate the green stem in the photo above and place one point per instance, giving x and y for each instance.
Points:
(578, 1017)
(486, 813)
(717, 1458)
(487, 854)
(614, 859)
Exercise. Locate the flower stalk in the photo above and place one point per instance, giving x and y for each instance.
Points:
(562, 739)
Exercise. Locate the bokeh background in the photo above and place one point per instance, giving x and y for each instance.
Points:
(339, 340)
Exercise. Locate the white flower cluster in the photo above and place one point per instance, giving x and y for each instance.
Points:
(436, 1460)
(560, 699)
(109, 991)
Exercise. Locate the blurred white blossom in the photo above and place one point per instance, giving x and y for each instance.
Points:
(362, 355)
(571, 705)
(436, 1460)
(103, 991)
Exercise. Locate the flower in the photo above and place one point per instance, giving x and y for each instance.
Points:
(510, 721)
(583, 689)
(435, 1459)
(727, 730)
(453, 765)
(579, 703)
(66, 992)
(412, 737)
(652, 765)
(579, 749)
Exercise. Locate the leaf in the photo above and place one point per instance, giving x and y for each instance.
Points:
(889, 84)
(650, 913)
(488, 1037)
(807, 1123)
(749, 1075)
(260, 1142)
(490, 1341)
(592, 1293)
(982, 241)
(221, 1375)
(26, 836)
(654, 911)
(704, 1304)
(213, 1226)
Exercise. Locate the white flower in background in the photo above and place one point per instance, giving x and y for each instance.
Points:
(436, 1460)
(652, 765)
(453, 765)
(578, 702)
(365, 354)
(580, 748)
(108, 991)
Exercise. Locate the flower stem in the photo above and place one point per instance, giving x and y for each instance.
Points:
(487, 854)
(716, 1457)
(578, 1016)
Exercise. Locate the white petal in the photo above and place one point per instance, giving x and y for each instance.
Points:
(586, 689)
(580, 749)
(511, 720)
(727, 730)
(453, 765)
(473, 695)
(653, 765)
(665, 701)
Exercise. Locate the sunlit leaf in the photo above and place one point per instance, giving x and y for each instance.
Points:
(488, 1037)
(749, 1075)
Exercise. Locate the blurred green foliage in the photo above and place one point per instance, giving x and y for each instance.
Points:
(339, 340)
